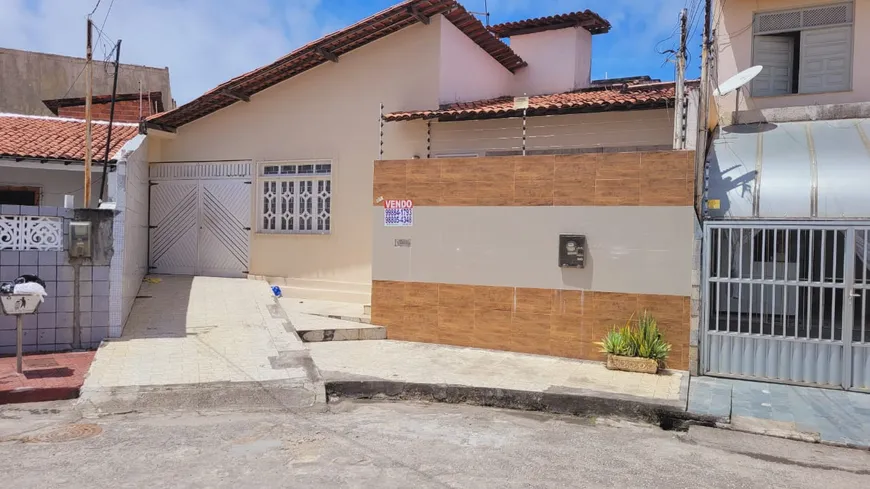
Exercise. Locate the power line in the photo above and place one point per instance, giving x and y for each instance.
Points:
(107, 14)
(95, 8)
(68, 90)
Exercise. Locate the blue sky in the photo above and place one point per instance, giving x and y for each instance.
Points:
(206, 42)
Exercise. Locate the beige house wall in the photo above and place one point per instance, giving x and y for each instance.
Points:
(733, 24)
(637, 250)
(636, 128)
(331, 113)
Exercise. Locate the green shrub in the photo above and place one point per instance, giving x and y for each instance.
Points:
(650, 343)
(644, 341)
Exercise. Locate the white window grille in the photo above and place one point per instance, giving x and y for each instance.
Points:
(31, 233)
(296, 197)
(806, 50)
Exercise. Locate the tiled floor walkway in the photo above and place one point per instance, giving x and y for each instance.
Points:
(195, 330)
(835, 416)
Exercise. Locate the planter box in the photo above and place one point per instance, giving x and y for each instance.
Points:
(632, 364)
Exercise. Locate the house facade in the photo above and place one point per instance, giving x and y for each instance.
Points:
(283, 155)
(785, 203)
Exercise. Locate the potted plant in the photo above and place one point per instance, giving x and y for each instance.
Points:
(636, 349)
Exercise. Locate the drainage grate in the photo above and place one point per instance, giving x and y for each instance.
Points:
(71, 432)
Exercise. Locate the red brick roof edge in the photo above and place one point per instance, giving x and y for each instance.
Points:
(587, 19)
(377, 26)
(598, 99)
(55, 104)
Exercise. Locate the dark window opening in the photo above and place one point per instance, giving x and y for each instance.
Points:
(19, 195)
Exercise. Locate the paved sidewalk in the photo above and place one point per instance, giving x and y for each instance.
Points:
(48, 377)
(201, 331)
(806, 413)
(438, 364)
(346, 311)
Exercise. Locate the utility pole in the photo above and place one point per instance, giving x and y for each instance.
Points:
(703, 109)
(111, 120)
(89, 66)
(680, 95)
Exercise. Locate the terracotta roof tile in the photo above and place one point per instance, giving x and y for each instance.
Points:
(339, 43)
(590, 100)
(588, 20)
(54, 138)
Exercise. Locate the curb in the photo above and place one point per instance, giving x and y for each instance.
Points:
(19, 396)
(590, 403)
(273, 395)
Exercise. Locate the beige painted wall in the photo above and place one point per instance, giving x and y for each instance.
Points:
(639, 250)
(54, 183)
(734, 54)
(467, 72)
(606, 129)
(559, 61)
(330, 112)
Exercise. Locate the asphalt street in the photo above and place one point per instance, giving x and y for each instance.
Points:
(374, 445)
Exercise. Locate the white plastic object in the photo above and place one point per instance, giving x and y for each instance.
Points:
(32, 288)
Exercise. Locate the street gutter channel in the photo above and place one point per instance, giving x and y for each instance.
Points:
(670, 417)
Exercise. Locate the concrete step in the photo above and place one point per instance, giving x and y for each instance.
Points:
(331, 295)
(360, 332)
(344, 311)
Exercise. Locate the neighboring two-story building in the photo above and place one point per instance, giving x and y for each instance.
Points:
(786, 202)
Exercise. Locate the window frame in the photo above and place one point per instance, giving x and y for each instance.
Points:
(799, 31)
(262, 177)
(37, 191)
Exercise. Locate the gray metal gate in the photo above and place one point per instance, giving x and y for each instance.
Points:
(787, 302)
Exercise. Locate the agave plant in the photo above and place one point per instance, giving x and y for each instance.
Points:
(650, 343)
(620, 341)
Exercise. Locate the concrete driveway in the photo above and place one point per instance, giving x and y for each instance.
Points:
(208, 340)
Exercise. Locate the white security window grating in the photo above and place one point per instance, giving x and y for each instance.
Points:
(795, 20)
(296, 198)
(779, 21)
(825, 16)
(31, 233)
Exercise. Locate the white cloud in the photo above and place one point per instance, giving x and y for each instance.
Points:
(203, 42)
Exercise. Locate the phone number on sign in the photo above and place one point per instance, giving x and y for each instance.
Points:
(398, 217)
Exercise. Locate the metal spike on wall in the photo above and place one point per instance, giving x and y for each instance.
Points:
(428, 139)
(381, 138)
(525, 111)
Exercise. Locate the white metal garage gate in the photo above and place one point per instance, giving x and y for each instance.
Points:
(200, 218)
(787, 303)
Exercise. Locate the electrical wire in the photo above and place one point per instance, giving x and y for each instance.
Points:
(95, 8)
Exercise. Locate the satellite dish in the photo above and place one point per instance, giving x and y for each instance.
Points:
(738, 81)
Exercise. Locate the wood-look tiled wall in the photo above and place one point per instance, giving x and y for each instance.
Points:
(664, 178)
(542, 321)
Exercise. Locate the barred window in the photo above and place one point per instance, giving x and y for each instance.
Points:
(296, 197)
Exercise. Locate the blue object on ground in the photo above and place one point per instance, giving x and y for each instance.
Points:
(276, 290)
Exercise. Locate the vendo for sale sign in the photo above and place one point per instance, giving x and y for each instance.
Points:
(398, 213)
